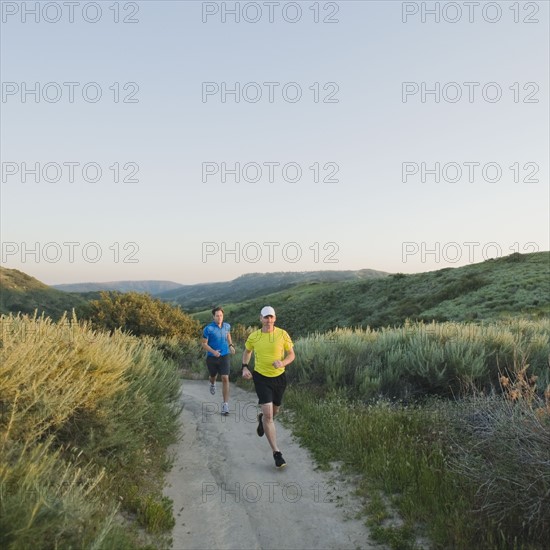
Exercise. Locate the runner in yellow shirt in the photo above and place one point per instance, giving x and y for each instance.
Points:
(273, 352)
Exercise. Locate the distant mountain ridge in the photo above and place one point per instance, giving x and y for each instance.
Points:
(243, 287)
(149, 287)
(253, 285)
(21, 292)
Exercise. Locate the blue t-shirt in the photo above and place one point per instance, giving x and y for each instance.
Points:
(217, 337)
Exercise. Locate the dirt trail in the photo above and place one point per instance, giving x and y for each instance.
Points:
(228, 495)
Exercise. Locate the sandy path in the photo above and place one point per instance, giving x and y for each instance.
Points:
(228, 495)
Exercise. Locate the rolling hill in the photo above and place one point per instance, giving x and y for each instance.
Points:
(20, 292)
(508, 286)
(518, 284)
(245, 287)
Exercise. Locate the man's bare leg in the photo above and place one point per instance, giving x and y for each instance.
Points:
(268, 411)
(225, 388)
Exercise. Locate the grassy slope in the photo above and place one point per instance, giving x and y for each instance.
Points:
(489, 290)
(21, 292)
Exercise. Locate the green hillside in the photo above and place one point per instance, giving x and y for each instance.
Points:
(319, 301)
(508, 286)
(21, 292)
(252, 285)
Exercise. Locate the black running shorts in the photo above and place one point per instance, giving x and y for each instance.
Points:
(218, 365)
(270, 389)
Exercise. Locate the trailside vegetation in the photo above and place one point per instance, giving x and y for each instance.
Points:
(85, 420)
(447, 423)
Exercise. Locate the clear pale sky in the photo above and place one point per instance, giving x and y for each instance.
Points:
(391, 99)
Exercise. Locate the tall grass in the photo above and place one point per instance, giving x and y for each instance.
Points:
(419, 359)
(84, 420)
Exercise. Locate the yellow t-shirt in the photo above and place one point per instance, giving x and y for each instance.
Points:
(269, 347)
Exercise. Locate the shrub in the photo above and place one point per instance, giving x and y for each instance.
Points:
(422, 359)
(503, 449)
(141, 315)
(82, 414)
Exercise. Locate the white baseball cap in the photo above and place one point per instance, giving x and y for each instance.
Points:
(267, 310)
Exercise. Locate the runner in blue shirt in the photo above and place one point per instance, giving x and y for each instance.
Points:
(216, 341)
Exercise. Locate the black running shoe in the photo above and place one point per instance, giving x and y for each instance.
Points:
(260, 428)
(279, 460)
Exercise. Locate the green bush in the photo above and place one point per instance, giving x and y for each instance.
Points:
(141, 315)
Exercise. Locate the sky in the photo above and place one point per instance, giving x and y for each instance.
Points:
(197, 141)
